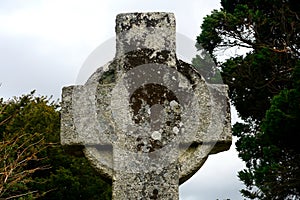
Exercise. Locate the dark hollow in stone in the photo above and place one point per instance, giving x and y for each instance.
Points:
(155, 194)
(151, 94)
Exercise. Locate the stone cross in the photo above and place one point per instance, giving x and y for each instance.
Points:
(147, 120)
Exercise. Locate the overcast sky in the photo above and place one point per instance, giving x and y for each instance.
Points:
(43, 45)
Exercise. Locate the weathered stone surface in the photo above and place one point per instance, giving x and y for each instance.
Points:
(148, 121)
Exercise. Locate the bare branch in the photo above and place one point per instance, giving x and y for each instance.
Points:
(21, 195)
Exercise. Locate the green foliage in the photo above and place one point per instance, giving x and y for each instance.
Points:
(25, 123)
(33, 165)
(209, 37)
(255, 78)
(264, 88)
(281, 124)
(205, 65)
